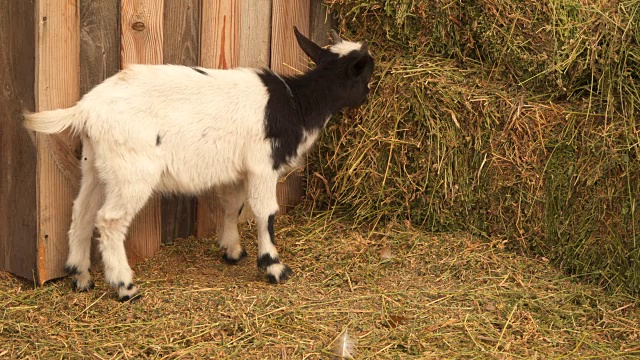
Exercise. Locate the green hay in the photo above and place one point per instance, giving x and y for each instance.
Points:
(512, 120)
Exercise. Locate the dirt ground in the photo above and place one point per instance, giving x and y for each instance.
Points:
(401, 293)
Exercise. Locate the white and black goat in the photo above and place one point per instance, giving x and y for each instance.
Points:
(179, 129)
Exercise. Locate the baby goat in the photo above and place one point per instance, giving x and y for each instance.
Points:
(178, 129)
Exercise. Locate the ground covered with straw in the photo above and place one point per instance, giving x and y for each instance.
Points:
(399, 292)
(482, 204)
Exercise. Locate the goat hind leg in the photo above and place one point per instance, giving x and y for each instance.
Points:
(232, 198)
(113, 220)
(83, 216)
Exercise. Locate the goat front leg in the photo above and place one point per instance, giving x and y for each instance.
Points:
(264, 203)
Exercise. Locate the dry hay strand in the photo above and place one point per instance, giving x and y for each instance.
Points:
(440, 296)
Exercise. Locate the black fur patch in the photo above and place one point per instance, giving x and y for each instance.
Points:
(71, 270)
(200, 71)
(130, 286)
(158, 140)
(272, 233)
(289, 113)
(231, 261)
(265, 260)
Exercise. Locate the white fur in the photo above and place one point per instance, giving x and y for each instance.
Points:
(345, 47)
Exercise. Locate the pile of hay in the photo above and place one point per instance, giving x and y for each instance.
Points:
(511, 119)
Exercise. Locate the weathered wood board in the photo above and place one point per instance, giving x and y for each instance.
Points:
(320, 22)
(57, 86)
(18, 205)
(255, 34)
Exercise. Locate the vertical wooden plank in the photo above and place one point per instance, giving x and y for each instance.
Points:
(57, 86)
(99, 52)
(181, 46)
(142, 42)
(18, 219)
(219, 43)
(287, 58)
(99, 42)
(142, 35)
(255, 33)
(320, 22)
(219, 48)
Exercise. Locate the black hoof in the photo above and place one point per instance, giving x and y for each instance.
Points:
(128, 298)
(128, 292)
(231, 261)
(78, 288)
(284, 275)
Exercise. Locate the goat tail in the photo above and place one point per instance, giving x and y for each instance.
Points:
(53, 121)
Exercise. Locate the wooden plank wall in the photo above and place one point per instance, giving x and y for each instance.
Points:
(18, 220)
(255, 34)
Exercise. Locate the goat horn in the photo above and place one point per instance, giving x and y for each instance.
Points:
(365, 47)
(335, 37)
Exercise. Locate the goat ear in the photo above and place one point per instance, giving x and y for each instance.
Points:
(358, 66)
(309, 47)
